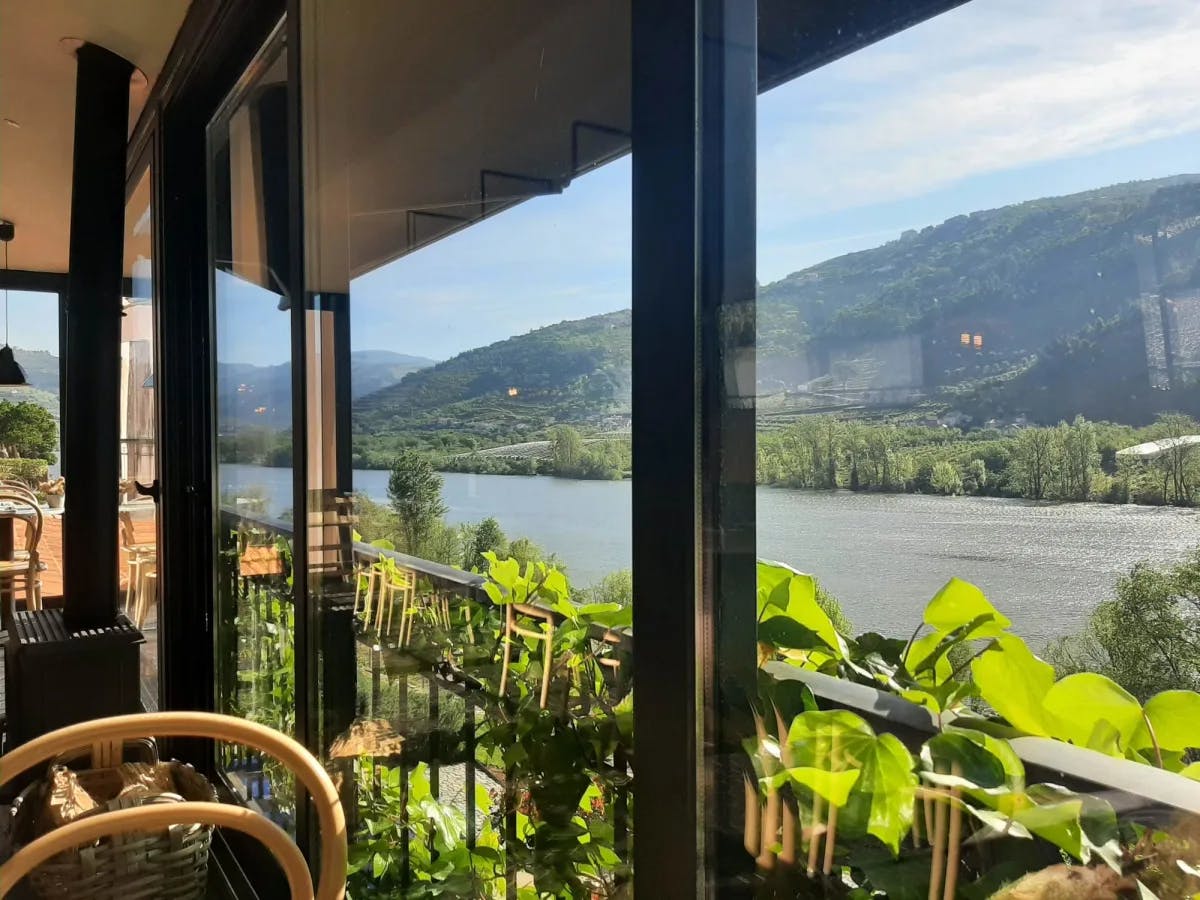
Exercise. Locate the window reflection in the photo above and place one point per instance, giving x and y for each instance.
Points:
(978, 249)
(467, 360)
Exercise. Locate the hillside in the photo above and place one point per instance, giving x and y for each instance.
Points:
(573, 372)
(243, 390)
(1020, 277)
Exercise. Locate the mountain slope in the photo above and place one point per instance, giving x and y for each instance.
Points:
(1021, 277)
(573, 372)
(261, 395)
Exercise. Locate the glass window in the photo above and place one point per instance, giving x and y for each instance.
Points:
(467, 463)
(30, 446)
(254, 614)
(979, 269)
(138, 433)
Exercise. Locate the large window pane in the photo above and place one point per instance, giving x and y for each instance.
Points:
(979, 268)
(29, 426)
(254, 615)
(467, 335)
(138, 433)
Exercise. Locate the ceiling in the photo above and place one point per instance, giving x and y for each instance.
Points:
(37, 91)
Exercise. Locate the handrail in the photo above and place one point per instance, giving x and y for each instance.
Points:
(469, 580)
(1122, 775)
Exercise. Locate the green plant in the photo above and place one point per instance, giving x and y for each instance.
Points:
(31, 471)
(966, 667)
(418, 835)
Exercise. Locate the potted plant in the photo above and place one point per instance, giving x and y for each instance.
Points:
(54, 490)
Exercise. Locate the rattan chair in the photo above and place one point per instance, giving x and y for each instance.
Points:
(118, 729)
(25, 568)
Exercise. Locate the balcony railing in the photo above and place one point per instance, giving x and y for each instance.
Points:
(437, 688)
(440, 690)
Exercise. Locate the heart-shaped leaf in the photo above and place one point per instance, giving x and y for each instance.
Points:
(1014, 682)
(1076, 703)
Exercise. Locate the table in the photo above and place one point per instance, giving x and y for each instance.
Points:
(11, 511)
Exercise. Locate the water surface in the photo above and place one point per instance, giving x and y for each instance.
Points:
(883, 555)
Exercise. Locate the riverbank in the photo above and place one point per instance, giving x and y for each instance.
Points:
(883, 556)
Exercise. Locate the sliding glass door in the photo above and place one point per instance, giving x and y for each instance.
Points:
(253, 610)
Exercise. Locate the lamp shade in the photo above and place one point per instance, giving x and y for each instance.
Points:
(11, 374)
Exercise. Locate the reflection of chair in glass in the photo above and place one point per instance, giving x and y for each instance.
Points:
(513, 629)
(320, 790)
(367, 579)
(141, 566)
(25, 568)
(397, 582)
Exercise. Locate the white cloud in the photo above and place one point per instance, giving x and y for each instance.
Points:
(986, 88)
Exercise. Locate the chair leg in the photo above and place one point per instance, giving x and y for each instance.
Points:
(548, 659)
(147, 590)
(508, 635)
(129, 576)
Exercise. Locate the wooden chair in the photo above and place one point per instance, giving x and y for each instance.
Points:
(25, 568)
(397, 582)
(368, 578)
(118, 729)
(141, 562)
(545, 634)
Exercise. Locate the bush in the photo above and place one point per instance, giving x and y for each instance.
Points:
(1147, 639)
(30, 471)
(945, 478)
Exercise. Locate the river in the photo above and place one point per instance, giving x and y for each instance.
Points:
(882, 555)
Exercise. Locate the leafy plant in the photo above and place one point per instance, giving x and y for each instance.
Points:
(419, 836)
(963, 665)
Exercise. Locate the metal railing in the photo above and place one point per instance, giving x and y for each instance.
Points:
(436, 696)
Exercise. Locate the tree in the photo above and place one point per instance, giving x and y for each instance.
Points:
(27, 431)
(1032, 459)
(1078, 458)
(615, 587)
(975, 477)
(1176, 461)
(945, 478)
(1147, 638)
(481, 538)
(415, 491)
(566, 449)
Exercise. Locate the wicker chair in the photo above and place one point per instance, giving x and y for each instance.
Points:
(118, 729)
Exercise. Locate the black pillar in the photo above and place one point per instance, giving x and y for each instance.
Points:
(694, 90)
(91, 456)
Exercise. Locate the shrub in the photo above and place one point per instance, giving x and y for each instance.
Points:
(31, 471)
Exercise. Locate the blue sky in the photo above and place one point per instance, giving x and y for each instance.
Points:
(32, 320)
(992, 103)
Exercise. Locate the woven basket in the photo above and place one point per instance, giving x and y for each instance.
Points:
(168, 864)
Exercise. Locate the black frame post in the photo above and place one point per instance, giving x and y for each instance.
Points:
(91, 451)
(728, 285)
(694, 103)
(665, 446)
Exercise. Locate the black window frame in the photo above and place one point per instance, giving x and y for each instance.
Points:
(696, 75)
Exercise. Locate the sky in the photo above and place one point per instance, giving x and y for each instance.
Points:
(32, 320)
(995, 102)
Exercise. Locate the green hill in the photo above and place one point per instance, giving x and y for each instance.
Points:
(1021, 277)
(573, 372)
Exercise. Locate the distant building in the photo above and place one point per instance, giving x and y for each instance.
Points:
(1154, 449)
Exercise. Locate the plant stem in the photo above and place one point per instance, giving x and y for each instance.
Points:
(1153, 739)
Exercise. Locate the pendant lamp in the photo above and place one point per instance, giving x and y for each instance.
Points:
(11, 374)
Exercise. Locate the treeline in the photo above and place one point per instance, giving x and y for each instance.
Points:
(1072, 461)
(256, 447)
(570, 455)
